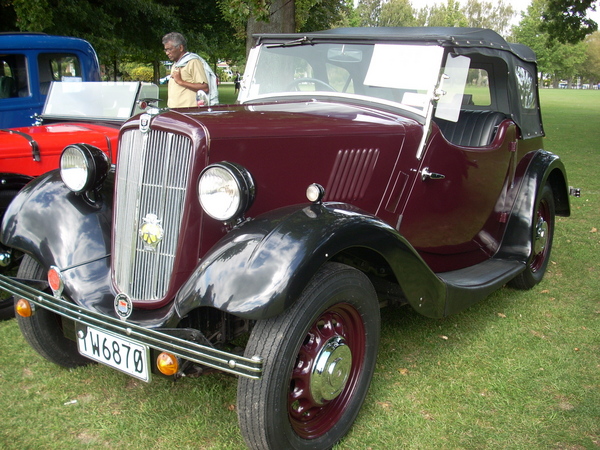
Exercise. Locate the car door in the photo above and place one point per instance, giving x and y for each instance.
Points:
(455, 212)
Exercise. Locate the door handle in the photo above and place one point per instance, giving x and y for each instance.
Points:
(427, 175)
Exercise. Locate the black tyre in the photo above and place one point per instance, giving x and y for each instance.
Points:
(14, 256)
(541, 242)
(7, 310)
(319, 358)
(43, 330)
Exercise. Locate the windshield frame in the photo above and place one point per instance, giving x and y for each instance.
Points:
(96, 100)
(373, 72)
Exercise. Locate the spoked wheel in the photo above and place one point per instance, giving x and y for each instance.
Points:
(44, 330)
(541, 242)
(319, 357)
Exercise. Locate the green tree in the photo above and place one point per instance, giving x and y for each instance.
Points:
(8, 18)
(446, 15)
(368, 12)
(31, 15)
(559, 61)
(281, 16)
(493, 15)
(130, 30)
(397, 13)
(566, 21)
(590, 69)
(329, 14)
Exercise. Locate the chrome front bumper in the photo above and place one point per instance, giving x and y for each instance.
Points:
(154, 338)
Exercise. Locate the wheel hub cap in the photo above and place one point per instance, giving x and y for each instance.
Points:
(331, 370)
(541, 236)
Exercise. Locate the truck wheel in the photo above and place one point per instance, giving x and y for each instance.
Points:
(14, 256)
(318, 361)
(541, 242)
(43, 330)
(7, 310)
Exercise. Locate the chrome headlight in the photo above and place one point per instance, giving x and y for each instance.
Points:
(83, 167)
(225, 191)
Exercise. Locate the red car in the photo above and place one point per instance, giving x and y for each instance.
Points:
(90, 112)
(363, 168)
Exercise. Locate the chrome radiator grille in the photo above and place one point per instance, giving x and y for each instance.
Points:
(152, 177)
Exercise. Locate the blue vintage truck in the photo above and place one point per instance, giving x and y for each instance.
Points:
(29, 62)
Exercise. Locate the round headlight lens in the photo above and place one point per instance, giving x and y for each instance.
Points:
(74, 168)
(83, 167)
(225, 191)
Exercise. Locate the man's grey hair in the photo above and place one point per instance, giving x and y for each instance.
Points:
(175, 38)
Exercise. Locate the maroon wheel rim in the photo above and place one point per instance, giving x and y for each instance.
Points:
(541, 237)
(311, 418)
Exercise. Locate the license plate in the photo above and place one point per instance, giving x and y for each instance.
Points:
(114, 351)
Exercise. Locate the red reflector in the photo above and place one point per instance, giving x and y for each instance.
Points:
(54, 279)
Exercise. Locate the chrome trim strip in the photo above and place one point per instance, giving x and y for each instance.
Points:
(201, 354)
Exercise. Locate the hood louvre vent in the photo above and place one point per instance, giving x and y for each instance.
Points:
(351, 174)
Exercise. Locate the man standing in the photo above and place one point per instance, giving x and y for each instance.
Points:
(187, 73)
(237, 81)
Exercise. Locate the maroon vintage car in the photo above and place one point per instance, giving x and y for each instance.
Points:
(90, 112)
(363, 168)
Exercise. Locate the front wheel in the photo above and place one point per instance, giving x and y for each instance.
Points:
(318, 359)
(541, 242)
(44, 330)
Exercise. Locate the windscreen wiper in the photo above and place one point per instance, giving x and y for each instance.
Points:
(302, 41)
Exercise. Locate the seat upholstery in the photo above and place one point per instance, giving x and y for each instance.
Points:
(473, 129)
(7, 87)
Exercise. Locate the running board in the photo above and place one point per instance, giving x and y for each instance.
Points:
(467, 286)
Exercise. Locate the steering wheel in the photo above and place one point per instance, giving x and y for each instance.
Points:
(294, 84)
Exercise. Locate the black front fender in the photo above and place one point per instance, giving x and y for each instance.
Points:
(260, 268)
(57, 227)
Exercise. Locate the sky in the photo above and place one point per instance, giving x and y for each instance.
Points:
(518, 5)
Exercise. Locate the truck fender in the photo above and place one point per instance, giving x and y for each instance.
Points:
(543, 168)
(57, 227)
(13, 181)
(259, 268)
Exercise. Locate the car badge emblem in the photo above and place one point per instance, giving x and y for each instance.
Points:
(145, 123)
(123, 306)
(151, 232)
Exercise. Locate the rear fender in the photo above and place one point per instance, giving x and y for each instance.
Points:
(260, 268)
(544, 168)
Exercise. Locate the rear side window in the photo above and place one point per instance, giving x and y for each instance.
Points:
(58, 67)
(477, 90)
(526, 86)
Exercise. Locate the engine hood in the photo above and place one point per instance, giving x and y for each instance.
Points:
(290, 119)
(36, 150)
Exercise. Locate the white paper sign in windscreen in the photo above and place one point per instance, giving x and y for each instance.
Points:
(407, 67)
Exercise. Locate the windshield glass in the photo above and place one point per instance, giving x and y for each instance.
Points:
(399, 75)
(96, 100)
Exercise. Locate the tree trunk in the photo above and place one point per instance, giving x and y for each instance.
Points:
(282, 19)
(156, 70)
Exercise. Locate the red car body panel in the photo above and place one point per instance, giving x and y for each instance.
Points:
(51, 140)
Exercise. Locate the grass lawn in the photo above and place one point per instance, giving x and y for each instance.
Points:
(520, 370)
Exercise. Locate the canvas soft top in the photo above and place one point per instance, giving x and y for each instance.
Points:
(446, 36)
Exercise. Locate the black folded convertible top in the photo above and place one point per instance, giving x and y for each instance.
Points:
(463, 37)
